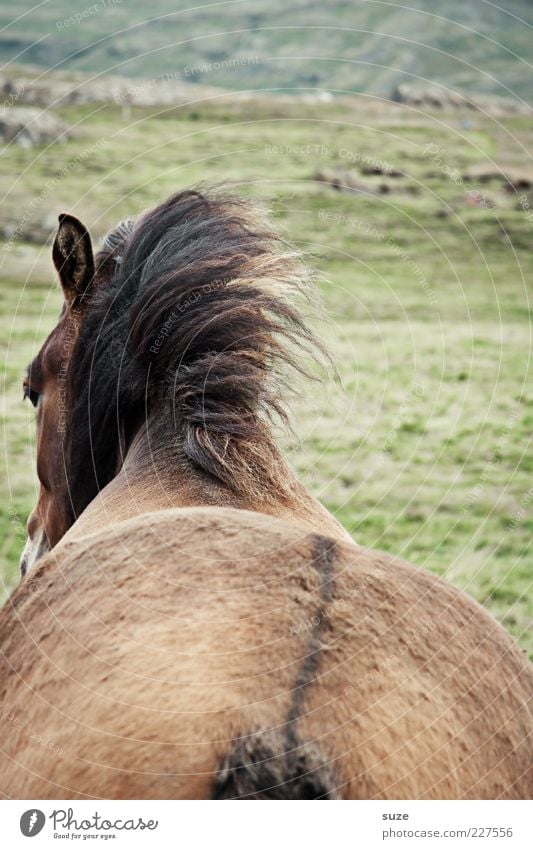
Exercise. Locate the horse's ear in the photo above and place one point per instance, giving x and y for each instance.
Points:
(73, 258)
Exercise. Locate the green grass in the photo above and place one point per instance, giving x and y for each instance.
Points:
(421, 446)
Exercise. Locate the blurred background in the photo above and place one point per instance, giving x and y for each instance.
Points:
(393, 146)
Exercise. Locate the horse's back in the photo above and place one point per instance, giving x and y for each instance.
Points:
(137, 660)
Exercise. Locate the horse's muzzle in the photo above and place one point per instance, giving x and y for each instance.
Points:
(35, 548)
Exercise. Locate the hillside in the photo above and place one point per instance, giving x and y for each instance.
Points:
(347, 45)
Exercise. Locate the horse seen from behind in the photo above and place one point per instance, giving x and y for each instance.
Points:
(191, 622)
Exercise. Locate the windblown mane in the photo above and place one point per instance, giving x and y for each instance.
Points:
(191, 319)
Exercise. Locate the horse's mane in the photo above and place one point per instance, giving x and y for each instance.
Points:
(191, 318)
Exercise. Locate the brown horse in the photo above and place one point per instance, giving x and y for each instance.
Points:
(200, 626)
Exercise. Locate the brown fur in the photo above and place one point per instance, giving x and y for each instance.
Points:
(144, 651)
(202, 625)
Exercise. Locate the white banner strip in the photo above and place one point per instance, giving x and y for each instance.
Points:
(268, 825)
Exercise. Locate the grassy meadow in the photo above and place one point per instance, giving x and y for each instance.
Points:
(421, 445)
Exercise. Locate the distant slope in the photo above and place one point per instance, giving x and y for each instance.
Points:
(333, 44)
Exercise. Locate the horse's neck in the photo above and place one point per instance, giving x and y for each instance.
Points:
(153, 479)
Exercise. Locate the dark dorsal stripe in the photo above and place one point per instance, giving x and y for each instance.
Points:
(323, 560)
(278, 763)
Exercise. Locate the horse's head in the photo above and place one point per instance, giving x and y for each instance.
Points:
(173, 328)
(45, 386)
